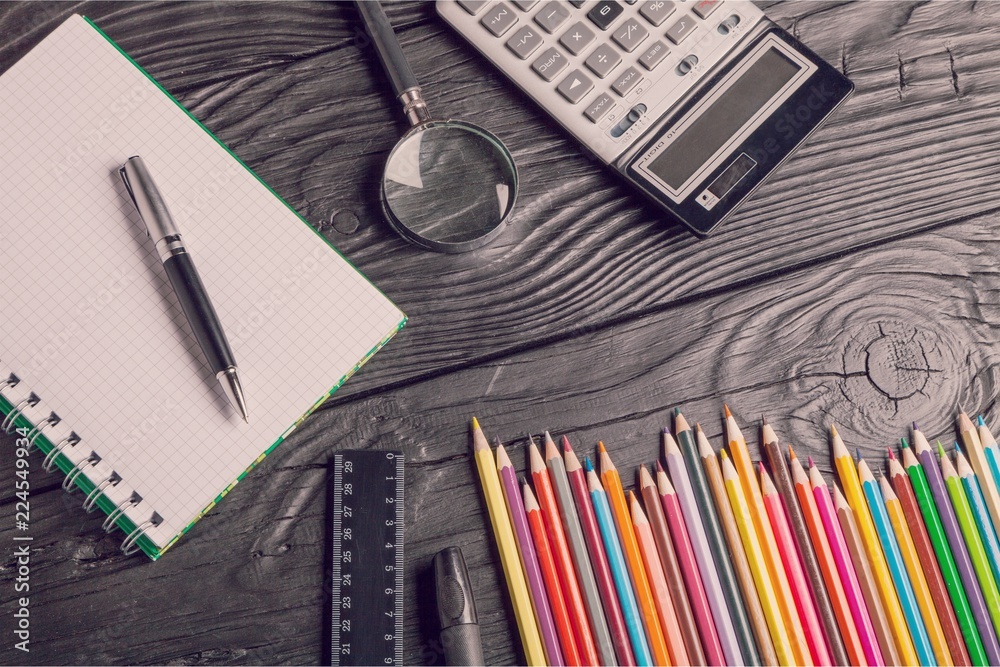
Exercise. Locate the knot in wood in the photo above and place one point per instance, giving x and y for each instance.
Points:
(897, 364)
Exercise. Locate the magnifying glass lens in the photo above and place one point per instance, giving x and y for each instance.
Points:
(448, 185)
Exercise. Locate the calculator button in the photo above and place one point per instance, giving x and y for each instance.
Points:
(551, 16)
(578, 3)
(605, 13)
(626, 81)
(705, 8)
(549, 64)
(629, 35)
(681, 28)
(577, 38)
(472, 6)
(524, 5)
(656, 12)
(599, 107)
(575, 86)
(499, 19)
(654, 55)
(603, 60)
(524, 42)
(687, 64)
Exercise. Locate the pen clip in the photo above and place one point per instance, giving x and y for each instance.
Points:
(131, 195)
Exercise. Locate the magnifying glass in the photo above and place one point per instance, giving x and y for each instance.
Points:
(448, 185)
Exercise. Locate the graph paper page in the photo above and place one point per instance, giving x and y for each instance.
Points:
(89, 321)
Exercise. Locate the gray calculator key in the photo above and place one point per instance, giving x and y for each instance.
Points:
(604, 59)
(575, 86)
(549, 64)
(525, 41)
(499, 19)
(577, 38)
(705, 8)
(524, 5)
(599, 107)
(681, 28)
(551, 16)
(654, 55)
(657, 11)
(630, 34)
(473, 6)
(626, 81)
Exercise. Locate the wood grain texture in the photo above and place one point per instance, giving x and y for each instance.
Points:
(860, 286)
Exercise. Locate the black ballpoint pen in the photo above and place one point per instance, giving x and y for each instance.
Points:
(180, 269)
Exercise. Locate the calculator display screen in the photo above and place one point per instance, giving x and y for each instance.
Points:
(717, 123)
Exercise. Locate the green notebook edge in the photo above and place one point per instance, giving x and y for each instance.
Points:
(145, 544)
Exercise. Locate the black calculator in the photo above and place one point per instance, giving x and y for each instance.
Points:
(694, 102)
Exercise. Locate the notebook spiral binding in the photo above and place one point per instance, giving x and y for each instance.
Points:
(86, 471)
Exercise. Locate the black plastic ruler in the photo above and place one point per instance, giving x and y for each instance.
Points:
(367, 572)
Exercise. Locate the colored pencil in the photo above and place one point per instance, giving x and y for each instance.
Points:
(547, 608)
(688, 560)
(578, 551)
(828, 643)
(931, 470)
(732, 616)
(550, 576)
(911, 560)
(894, 559)
(866, 633)
(740, 454)
(990, 448)
(866, 578)
(973, 489)
(619, 570)
(693, 519)
(503, 532)
(658, 584)
(633, 560)
(583, 638)
(671, 568)
(737, 553)
(928, 562)
(598, 557)
(793, 570)
(848, 474)
(757, 562)
(967, 522)
(973, 449)
(826, 563)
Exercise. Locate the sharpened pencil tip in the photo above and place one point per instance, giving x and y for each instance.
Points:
(722, 453)
(587, 465)
(892, 454)
(697, 428)
(857, 453)
(811, 464)
(763, 420)
(475, 424)
(601, 448)
(791, 453)
(833, 431)
(940, 449)
(677, 411)
(904, 443)
(659, 468)
(666, 430)
(725, 410)
(958, 447)
(980, 421)
(915, 427)
(565, 444)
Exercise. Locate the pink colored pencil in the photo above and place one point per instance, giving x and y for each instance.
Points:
(845, 566)
(801, 593)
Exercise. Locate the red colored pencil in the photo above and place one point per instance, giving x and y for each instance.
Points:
(582, 634)
(598, 559)
(557, 602)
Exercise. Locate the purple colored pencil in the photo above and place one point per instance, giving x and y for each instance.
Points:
(932, 471)
(529, 559)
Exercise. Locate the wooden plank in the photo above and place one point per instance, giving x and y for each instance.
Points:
(296, 91)
(871, 341)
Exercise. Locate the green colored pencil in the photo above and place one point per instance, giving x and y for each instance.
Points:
(949, 570)
(967, 522)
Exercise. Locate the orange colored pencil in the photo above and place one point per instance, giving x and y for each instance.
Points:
(826, 562)
(546, 496)
(658, 584)
(547, 564)
(626, 533)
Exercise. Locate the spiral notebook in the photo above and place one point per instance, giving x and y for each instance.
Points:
(98, 367)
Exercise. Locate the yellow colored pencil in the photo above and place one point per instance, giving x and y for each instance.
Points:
(757, 562)
(848, 474)
(925, 601)
(517, 587)
(776, 579)
(973, 448)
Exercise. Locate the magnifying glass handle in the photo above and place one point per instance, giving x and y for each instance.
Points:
(390, 53)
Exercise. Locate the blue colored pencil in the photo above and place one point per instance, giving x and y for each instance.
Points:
(989, 449)
(894, 559)
(978, 503)
(619, 570)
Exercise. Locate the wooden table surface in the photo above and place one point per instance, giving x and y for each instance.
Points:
(860, 286)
